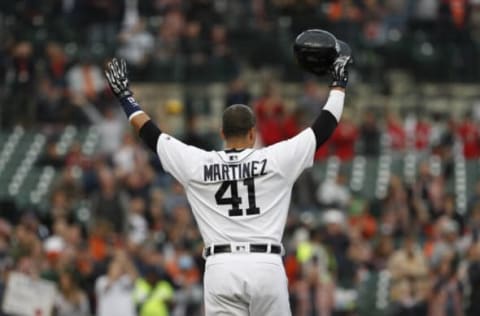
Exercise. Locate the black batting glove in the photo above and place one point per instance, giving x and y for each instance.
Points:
(339, 72)
(116, 73)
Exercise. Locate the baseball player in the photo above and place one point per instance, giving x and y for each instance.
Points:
(239, 196)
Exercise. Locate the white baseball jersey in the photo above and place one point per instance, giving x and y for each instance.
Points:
(239, 196)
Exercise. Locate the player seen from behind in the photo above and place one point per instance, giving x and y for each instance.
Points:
(239, 196)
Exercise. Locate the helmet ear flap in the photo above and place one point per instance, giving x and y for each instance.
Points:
(315, 51)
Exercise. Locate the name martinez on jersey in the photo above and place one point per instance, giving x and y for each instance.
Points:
(221, 172)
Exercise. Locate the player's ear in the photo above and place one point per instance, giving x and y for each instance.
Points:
(222, 134)
(252, 135)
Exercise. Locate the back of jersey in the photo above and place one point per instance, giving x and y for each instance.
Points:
(239, 196)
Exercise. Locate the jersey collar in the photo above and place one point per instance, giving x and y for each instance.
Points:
(235, 155)
(234, 150)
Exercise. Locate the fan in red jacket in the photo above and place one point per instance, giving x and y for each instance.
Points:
(270, 117)
(396, 132)
(468, 133)
(344, 139)
(422, 134)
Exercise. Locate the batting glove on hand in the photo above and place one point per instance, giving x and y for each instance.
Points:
(116, 73)
(339, 72)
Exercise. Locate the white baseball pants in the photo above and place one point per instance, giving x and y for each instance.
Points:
(245, 284)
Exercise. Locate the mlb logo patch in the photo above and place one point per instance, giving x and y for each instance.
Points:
(233, 157)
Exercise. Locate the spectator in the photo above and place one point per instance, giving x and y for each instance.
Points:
(136, 46)
(70, 183)
(55, 244)
(60, 206)
(168, 38)
(448, 244)
(337, 241)
(270, 115)
(395, 207)
(176, 198)
(127, 157)
(109, 204)
(57, 64)
(422, 134)
(114, 290)
(152, 294)
(369, 134)
(447, 295)
(473, 223)
(382, 252)
(194, 47)
(421, 189)
(316, 288)
(71, 300)
(450, 210)
(474, 199)
(311, 98)
(109, 124)
(473, 281)
(21, 80)
(52, 107)
(470, 136)
(344, 139)
(295, 122)
(409, 271)
(194, 138)
(334, 192)
(137, 224)
(396, 132)
(85, 79)
(185, 275)
(51, 156)
(237, 93)
(361, 219)
(222, 60)
(76, 158)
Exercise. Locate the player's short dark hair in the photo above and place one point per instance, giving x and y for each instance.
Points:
(237, 120)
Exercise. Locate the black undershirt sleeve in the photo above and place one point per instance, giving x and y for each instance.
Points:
(323, 127)
(150, 133)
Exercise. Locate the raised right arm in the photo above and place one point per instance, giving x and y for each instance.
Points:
(116, 73)
(175, 156)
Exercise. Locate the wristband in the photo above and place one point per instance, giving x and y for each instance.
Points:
(342, 83)
(130, 106)
(335, 103)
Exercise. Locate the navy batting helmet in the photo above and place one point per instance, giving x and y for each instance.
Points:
(316, 50)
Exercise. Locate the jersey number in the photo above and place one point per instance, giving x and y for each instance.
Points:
(234, 200)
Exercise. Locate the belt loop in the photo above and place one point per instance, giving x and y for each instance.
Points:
(269, 247)
(212, 249)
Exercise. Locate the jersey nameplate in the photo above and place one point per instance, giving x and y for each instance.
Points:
(222, 172)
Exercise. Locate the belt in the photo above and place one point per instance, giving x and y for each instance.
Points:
(242, 248)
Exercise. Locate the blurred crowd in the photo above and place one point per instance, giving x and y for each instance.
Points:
(117, 235)
(55, 49)
(369, 131)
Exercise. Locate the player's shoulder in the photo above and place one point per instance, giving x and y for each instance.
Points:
(305, 136)
(171, 141)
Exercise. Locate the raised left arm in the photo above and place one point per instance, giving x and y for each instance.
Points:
(326, 122)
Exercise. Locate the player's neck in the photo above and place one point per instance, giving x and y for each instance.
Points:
(237, 144)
